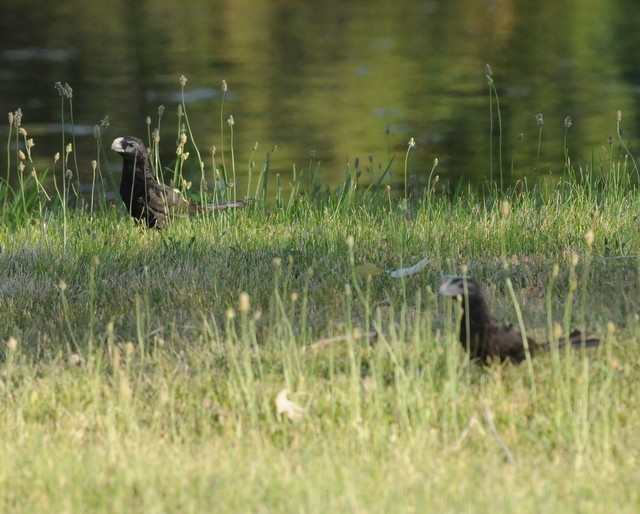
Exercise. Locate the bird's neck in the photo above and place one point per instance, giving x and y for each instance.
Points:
(475, 321)
(143, 168)
(135, 171)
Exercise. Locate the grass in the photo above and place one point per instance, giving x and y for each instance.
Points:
(140, 369)
(138, 383)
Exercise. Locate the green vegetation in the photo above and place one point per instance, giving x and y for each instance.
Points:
(140, 369)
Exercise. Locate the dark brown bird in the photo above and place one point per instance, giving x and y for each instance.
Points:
(487, 339)
(149, 201)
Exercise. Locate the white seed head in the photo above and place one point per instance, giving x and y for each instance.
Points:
(557, 330)
(589, 237)
(12, 344)
(129, 348)
(244, 303)
(575, 258)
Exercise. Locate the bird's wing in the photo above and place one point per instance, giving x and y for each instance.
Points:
(165, 200)
(505, 342)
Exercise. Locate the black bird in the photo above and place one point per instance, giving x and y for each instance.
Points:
(485, 337)
(149, 201)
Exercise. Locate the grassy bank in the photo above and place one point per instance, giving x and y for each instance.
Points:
(137, 376)
(223, 365)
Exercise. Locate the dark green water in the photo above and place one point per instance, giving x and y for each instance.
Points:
(341, 79)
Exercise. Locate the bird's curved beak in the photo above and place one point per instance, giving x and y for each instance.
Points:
(117, 144)
(447, 288)
(452, 286)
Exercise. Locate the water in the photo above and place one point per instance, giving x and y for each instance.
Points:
(342, 80)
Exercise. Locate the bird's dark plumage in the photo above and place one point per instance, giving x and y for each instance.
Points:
(485, 337)
(149, 201)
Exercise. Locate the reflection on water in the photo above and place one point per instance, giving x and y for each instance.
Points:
(344, 80)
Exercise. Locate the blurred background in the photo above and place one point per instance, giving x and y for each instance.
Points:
(343, 80)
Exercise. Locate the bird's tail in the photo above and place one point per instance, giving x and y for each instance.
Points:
(239, 204)
(576, 340)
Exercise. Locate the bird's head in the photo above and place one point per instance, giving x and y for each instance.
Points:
(129, 147)
(462, 287)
